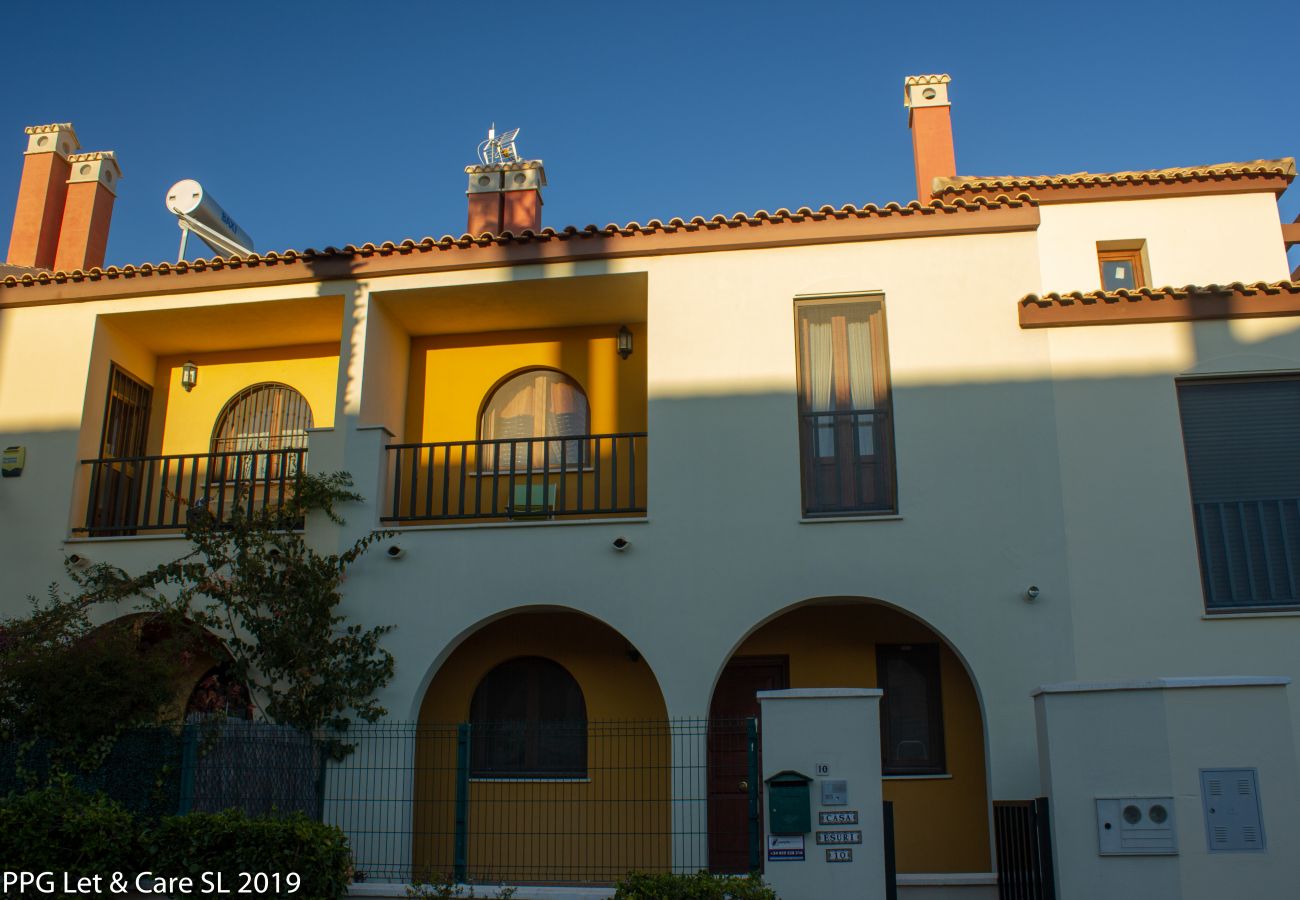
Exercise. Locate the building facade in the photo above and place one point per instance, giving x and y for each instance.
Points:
(959, 449)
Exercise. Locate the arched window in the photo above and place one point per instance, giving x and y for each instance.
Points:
(255, 423)
(266, 416)
(537, 403)
(528, 720)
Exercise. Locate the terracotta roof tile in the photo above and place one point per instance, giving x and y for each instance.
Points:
(1164, 304)
(449, 242)
(7, 269)
(504, 167)
(1284, 167)
(926, 79)
(92, 156)
(1239, 287)
(45, 129)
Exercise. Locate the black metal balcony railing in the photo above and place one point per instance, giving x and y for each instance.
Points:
(848, 461)
(157, 493)
(518, 478)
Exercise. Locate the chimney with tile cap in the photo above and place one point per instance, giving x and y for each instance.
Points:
(505, 197)
(92, 188)
(926, 99)
(41, 194)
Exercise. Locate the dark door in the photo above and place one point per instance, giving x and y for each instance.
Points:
(116, 476)
(734, 701)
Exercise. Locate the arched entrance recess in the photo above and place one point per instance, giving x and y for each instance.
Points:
(571, 782)
(191, 656)
(933, 747)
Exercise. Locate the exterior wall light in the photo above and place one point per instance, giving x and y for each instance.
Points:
(189, 375)
(624, 342)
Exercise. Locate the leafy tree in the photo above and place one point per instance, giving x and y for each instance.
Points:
(250, 582)
(78, 686)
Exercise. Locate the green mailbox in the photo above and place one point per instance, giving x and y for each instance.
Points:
(789, 808)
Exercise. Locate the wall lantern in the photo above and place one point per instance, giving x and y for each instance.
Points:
(189, 375)
(624, 342)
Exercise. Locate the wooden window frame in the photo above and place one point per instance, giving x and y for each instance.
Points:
(481, 737)
(937, 763)
(583, 461)
(882, 389)
(1132, 256)
(141, 432)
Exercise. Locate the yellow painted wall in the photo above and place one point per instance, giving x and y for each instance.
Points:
(451, 377)
(940, 824)
(183, 423)
(618, 819)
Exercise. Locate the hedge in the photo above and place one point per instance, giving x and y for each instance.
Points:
(700, 886)
(61, 829)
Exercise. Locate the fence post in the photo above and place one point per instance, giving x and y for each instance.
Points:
(322, 761)
(461, 862)
(189, 766)
(891, 867)
(755, 816)
(1043, 832)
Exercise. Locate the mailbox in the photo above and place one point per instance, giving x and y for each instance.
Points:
(789, 809)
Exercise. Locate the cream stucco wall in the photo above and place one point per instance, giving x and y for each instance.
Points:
(1215, 239)
(1050, 457)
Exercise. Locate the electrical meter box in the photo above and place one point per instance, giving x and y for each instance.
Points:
(1136, 826)
(789, 807)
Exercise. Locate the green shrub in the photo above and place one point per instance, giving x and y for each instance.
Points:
(230, 843)
(700, 886)
(61, 829)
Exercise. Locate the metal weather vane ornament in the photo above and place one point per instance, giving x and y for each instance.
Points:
(499, 149)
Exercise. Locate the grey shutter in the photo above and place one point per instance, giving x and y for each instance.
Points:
(1242, 439)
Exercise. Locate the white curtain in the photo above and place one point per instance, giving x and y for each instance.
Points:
(821, 367)
(540, 403)
(860, 381)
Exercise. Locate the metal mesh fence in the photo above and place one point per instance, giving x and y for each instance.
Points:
(554, 803)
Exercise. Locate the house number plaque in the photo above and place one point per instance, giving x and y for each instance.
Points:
(846, 817)
(839, 837)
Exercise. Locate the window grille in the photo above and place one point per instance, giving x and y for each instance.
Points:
(263, 417)
(529, 720)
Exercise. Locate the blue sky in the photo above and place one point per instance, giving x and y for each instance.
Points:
(328, 123)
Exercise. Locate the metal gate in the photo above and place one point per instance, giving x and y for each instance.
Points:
(1024, 848)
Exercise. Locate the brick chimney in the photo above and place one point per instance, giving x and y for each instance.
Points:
(926, 99)
(505, 197)
(92, 188)
(41, 194)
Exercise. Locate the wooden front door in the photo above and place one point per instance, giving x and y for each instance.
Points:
(734, 700)
(115, 481)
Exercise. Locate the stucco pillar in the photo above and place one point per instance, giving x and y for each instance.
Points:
(829, 735)
(1155, 752)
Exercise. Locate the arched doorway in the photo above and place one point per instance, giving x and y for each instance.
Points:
(550, 730)
(932, 731)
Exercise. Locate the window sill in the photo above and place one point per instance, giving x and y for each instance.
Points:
(532, 779)
(1282, 612)
(522, 475)
(882, 517)
(131, 538)
(539, 523)
(940, 776)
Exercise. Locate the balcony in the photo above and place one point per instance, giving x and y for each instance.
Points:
(518, 479)
(848, 462)
(134, 494)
